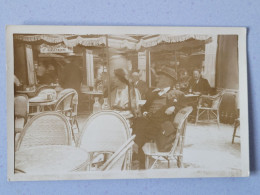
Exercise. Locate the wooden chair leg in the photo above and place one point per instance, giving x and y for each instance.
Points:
(147, 161)
(234, 132)
(197, 116)
(218, 118)
(179, 162)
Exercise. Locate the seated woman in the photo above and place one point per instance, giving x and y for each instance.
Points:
(124, 96)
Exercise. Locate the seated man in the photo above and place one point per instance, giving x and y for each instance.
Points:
(199, 85)
(160, 108)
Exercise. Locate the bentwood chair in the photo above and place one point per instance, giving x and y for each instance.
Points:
(75, 101)
(116, 161)
(46, 128)
(236, 126)
(21, 110)
(64, 105)
(176, 152)
(40, 88)
(208, 108)
(102, 135)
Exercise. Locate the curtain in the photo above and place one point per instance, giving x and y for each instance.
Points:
(30, 65)
(90, 68)
(227, 62)
(209, 69)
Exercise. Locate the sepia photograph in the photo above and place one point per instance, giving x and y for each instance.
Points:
(93, 102)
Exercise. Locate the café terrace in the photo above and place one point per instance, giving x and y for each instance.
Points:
(65, 124)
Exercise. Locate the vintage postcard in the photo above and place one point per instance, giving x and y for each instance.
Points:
(106, 102)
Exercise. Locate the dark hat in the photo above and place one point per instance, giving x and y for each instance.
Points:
(121, 75)
(168, 72)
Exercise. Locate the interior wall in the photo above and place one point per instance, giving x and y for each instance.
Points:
(20, 66)
(227, 62)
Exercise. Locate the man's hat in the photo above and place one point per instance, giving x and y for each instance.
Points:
(168, 72)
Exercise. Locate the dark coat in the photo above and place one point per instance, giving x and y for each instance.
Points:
(143, 89)
(202, 86)
(72, 77)
(148, 127)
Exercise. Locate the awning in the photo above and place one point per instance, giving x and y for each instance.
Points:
(151, 41)
(114, 41)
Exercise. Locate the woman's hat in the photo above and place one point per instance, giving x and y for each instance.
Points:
(168, 72)
(121, 75)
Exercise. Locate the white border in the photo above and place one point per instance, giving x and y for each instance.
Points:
(171, 173)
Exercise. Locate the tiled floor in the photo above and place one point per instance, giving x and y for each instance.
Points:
(206, 147)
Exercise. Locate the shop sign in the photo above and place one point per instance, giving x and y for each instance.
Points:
(142, 60)
(60, 48)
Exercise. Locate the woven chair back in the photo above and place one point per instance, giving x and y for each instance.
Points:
(64, 103)
(65, 91)
(181, 116)
(180, 121)
(46, 128)
(104, 131)
(216, 102)
(40, 88)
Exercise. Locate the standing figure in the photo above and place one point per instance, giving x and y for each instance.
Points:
(72, 76)
(140, 85)
(124, 96)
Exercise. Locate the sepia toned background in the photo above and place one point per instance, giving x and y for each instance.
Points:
(163, 13)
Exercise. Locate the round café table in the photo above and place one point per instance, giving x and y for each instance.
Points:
(40, 103)
(51, 159)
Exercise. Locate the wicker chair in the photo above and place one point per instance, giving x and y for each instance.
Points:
(21, 110)
(116, 161)
(236, 126)
(64, 105)
(74, 113)
(103, 134)
(211, 111)
(46, 128)
(40, 88)
(176, 152)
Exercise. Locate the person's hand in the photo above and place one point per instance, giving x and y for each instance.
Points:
(145, 114)
(170, 110)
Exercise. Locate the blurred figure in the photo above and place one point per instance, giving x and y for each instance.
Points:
(124, 96)
(42, 75)
(139, 84)
(154, 76)
(184, 79)
(72, 76)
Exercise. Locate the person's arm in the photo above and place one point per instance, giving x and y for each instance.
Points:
(206, 87)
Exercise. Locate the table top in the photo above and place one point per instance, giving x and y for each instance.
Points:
(39, 101)
(50, 159)
(191, 95)
(92, 92)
